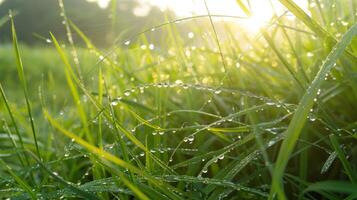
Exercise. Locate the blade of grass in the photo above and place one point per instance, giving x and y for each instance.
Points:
(308, 21)
(243, 7)
(13, 122)
(70, 185)
(282, 59)
(21, 75)
(73, 88)
(103, 154)
(301, 113)
(335, 186)
(22, 183)
(336, 145)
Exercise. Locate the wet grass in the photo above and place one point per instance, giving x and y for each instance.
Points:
(209, 114)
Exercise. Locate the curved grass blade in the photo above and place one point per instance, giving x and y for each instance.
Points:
(333, 186)
(73, 88)
(71, 186)
(328, 162)
(109, 157)
(336, 145)
(7, 106)
(308, 21)
(19, 180)
(243, 7)
(301, 113)
(21, 74)
(212, 181)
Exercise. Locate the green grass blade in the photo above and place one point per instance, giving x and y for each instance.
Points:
(282, 59)
(308, 21)
(336, 145)
(19, 180)
(332, 186)
(109, 157)
(243, 7)
(21, 75)
(13, 121)
(69, 75)
(301, 113)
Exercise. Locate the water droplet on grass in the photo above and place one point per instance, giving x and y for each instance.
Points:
(237, 65)
(318, 92)
(151, 46)
(312, 118)
(127, 93)
(217, 91)
(309, 54)
(191, 138)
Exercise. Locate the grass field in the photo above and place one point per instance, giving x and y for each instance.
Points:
(200, 115)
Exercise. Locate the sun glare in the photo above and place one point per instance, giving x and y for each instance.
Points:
(261, 10)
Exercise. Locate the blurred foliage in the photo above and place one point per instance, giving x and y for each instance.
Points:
(36, 18)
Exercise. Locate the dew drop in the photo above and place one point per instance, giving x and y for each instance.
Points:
(312, 118)
(191, 138)
(151, 46)
(127, 93)
(309, 54)
(318, 92)
(217, 91)
(237, 65)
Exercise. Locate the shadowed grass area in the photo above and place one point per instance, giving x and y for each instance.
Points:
(215, 113)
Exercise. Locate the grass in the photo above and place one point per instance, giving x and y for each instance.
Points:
(217, 115)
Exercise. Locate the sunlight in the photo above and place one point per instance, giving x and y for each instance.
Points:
(261, 11)
(261, 14)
